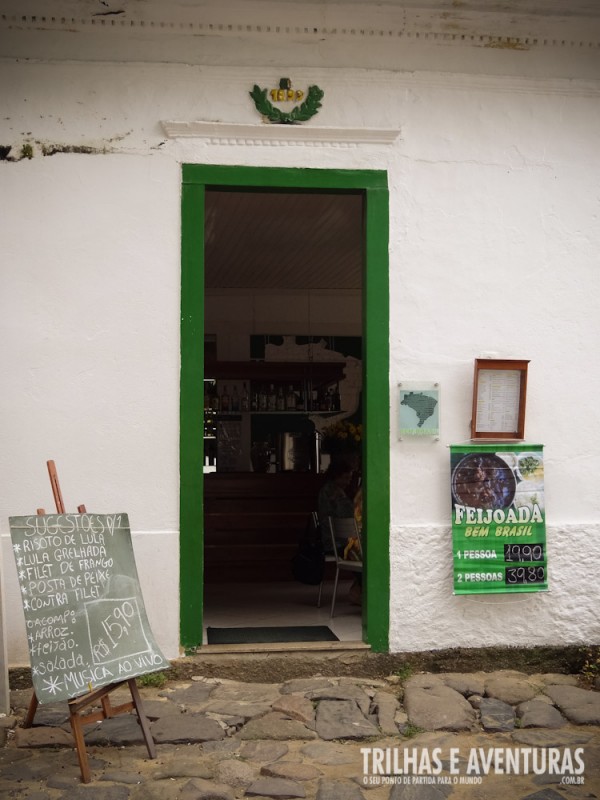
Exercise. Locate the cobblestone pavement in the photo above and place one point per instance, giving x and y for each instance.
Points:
(482, 736)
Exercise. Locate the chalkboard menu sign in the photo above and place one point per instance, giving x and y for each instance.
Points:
(84, 613)
(498, 518)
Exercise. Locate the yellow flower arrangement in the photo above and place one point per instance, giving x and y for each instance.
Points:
(342, 435)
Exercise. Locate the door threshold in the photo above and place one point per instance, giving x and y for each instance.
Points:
(289, 648)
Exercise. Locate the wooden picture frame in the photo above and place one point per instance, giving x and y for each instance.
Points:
(499, 396)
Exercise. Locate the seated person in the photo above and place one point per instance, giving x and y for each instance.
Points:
(334, 500)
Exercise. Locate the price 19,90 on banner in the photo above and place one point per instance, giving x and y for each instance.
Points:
(498, 518)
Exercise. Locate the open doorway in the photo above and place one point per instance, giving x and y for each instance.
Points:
(283, 398)
(198, 181)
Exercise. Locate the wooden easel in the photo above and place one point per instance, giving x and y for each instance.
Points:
(78, 704)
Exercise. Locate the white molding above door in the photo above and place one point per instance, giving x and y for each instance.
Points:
(269, 134)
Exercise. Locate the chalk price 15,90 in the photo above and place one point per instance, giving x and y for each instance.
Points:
(112, 630)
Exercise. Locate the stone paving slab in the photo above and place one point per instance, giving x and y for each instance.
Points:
(155, 709)
(191, 766)
(43, 737)
(343, 692)
(496, 716)
(328, 753)
(580, 706)
(276, 788)
(119, 731)
(540, 713)
(291, 770)
(297, 707)
(342, 719)
(276, 725)
(511, 687)
(386, 706)
(305, 685)
(199, 789)
(466, 684)
(263, 752)
(185, 729)
(319, 738)
(237, 708)
(432, 705)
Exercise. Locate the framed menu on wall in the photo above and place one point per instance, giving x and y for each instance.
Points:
(499, 395)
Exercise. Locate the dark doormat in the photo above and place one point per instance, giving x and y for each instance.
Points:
(297, 633)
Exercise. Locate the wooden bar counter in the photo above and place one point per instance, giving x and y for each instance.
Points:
(253, 523)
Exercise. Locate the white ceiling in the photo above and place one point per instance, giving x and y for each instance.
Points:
(139, 9)
(275, 240)
(542, 7)
(326, 31)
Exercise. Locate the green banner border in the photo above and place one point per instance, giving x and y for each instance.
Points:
(484, 570)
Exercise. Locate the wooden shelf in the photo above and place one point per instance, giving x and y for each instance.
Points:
(318, 372)
(295, 413)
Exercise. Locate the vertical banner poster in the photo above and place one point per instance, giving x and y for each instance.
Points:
(84, 613)
(498, 518)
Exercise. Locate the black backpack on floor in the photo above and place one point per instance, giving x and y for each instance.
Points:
(308, 564)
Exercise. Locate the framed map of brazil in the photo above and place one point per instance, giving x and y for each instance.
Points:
(418, 409)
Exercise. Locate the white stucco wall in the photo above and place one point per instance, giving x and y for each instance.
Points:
(91, 354)
(494, 239)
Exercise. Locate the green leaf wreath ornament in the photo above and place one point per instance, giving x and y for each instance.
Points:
(299, 113)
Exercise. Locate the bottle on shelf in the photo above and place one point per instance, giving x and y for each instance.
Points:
(245, 398)
(225, 400)
(262, 399)
(337, 403)
(314, 400)
(329, 399)
(235, 400)
(290, 399)
(272, 399)
(323, 401)
(214, 398)
(280, 403)
(272, 456)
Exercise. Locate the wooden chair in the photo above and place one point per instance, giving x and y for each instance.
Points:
(341, 530)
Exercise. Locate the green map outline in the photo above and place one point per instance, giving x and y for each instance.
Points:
(409, 428)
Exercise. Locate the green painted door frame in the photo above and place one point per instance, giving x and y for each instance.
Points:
(376, 405)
